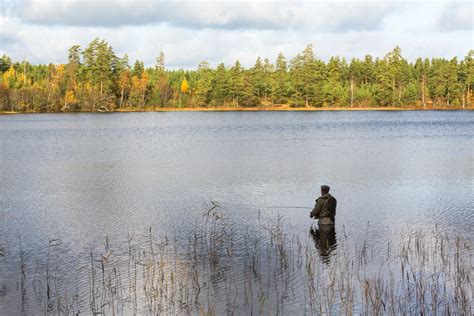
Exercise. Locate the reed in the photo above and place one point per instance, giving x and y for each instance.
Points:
(273, 271)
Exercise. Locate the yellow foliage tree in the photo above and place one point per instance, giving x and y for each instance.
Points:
(58, 73)
(143, 85)
(139, 86)
(8, 78)
(184, 86)
(144, 81)
(22, 80)
(69, 98)
(136, 83)
(124, 83)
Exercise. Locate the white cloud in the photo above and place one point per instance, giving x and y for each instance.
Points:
(337, 16)
(42, 31)
(456, 16)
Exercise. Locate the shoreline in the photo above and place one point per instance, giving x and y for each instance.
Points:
(257, 109)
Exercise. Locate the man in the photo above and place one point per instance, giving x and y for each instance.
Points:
(325, 208)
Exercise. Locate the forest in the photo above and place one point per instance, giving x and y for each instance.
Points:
(96, 79)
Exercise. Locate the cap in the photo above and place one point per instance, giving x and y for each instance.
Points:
(325, 187)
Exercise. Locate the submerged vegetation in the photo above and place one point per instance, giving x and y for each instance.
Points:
(217, 270)
(96, 79)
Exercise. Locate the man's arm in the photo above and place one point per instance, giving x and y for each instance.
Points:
(316, 210)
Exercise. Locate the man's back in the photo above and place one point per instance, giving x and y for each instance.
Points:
(331, 206)
(325, 207)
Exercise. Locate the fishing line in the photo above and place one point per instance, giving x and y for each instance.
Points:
(305, 207)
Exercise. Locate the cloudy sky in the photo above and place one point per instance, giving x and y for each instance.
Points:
(223, 31)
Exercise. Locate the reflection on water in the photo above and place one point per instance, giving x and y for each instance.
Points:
(324, 240)
(80, 177)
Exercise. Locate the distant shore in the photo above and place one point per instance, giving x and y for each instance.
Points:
(257, 109)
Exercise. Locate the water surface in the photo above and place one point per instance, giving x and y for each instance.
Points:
(80, 177)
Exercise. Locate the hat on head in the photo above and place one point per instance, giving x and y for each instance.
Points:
(325, 188)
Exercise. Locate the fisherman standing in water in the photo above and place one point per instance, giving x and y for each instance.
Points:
(325, 236)
(325, 208)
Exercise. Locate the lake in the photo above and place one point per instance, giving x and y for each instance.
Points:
(70, 180)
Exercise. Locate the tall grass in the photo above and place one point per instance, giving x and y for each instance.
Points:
(221, 270)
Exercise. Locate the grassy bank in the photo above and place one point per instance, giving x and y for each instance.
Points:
(256, 109)
(287, 108)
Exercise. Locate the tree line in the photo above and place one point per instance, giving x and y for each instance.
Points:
(96, 79)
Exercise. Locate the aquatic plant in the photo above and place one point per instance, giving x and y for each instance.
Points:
(218, 270)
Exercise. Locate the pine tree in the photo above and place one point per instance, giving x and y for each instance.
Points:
(258, 75)
(138, 69)
(99, 63)
(160, 63)
(5, 63)
(204, 84)
(73, 72)
(279, 89)
(385, 82)
(125, 79)
(236, 81)
(220, 86)
(466, 77)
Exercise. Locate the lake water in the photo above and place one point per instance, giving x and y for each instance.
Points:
(79, 177)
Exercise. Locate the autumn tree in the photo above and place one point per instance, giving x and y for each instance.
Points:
(139, 89)
(184, 86)
(94, 78)
(162, 91)
(125, 79)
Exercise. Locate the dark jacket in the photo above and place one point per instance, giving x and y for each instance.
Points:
(325, 208)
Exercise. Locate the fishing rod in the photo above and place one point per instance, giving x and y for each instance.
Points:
(305, 207)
